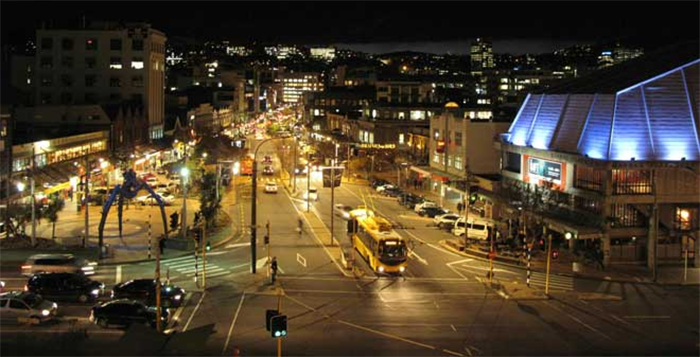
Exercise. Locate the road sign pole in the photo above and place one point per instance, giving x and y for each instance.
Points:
(549, 258)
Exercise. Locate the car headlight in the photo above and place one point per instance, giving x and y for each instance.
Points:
(381, 269)
(95, 292)
(54, 305)
(402, 269)
(178, 297)
(45, 312)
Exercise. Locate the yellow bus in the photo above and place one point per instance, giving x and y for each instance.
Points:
(373, 237)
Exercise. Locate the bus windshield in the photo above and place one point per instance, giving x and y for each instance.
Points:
(392, 250)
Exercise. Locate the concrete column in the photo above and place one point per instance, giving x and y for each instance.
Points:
(607, 212)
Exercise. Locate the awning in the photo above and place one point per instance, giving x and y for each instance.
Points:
(578, 231)
(423, 171)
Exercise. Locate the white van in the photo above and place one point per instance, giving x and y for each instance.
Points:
(478, 228)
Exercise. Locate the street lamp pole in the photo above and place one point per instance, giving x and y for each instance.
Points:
(253, 208)
(87, 204)
(31, 182)
(335, 161)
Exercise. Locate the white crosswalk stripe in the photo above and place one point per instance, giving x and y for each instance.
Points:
(186, 266)
(556, 282)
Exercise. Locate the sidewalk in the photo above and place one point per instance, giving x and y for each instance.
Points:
(564, 265)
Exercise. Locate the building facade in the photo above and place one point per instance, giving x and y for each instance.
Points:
(101, 64)
(617, 161)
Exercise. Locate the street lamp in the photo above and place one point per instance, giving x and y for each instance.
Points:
(20, 186)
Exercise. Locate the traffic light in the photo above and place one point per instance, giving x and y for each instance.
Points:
(208, 247)
(555, 254)
(269, 314)
(174, 220)
(278, 326)
(472, 198)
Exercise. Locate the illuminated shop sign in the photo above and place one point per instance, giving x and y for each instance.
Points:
(377, 146)
(549, 170)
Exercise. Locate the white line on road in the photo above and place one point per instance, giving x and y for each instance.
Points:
(194, 311)
(238, 245)
(414, 254)
(233, 323)
(180, 309)
(386, 334)
(579, 321)
(301, 260)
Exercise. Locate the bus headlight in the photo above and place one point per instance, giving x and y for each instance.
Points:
(402, 269)
(381, 269)
(45, 312)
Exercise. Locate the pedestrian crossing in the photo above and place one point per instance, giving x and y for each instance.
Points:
(556, 282)
(187, 266)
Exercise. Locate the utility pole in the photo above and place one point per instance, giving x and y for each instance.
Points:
(308, 186)
(158, 288)
(87, 205)
(335, 161)
(31, 179)
(204, 254)
(549, 258)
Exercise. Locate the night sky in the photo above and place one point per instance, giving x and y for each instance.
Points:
(439, 27)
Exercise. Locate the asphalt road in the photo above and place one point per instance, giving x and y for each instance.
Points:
(439, 307)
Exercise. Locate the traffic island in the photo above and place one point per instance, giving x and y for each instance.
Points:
(515, 291)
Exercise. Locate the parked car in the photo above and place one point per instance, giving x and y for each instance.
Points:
(125, 312)
(392, 192)
(144, 290)
(152, 181)
(174, 177)
(410, 200)
(342, 210)
(431, 212)
(267, 159)
(382, 188)
(378, 182)
(271, 187)
(57, 263)
(65, 286)
(149, 200)
(268, 170)
(161, 171)
(424, 204)
(161, 186)
(446, 220)
(16, 306)
(478, 229)
(311, 194)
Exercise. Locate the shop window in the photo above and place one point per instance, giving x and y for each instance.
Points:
(627, 216)
(686, 218)
(588, 178)
(632, 182)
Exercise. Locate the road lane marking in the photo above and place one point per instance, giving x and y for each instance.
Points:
(579, 321)
(414, 254)
(118, 273)
(355, 292)
(233, 323)
(647, 317)
(176, 316)
(452, 352)
(301, 260)
(453, 328)
(194, 311)
(238, 245)
(456, 271)
(399, 338)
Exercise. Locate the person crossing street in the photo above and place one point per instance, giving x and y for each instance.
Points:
(273, 269)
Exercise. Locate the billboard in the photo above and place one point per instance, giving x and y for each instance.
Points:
(545, 169)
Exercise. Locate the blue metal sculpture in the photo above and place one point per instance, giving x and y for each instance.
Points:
(131, 186)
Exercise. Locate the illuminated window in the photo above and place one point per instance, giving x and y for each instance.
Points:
(115, 63)
(458, 162)
(137, 63)
(588, 178)
(632, 182)
(686, 218)
(627, 216)
(401, 138)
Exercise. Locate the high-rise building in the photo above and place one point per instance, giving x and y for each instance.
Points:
(297, 83)
(103, 63)
(481, 52)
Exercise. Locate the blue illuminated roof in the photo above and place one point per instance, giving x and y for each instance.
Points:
(652, 120)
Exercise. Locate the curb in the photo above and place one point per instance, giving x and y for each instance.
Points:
(615, 280)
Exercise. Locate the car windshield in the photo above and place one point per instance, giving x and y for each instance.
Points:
(32, 300)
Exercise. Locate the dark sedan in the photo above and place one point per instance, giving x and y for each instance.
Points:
(378, 182)
(392, 192)
(124, 313)
(145, 290)
(431, 212)
(410, 200)
(65, 286)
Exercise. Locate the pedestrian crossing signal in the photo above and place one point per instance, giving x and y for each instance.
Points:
(278, 326)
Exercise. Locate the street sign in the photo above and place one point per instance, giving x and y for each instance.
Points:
(327, 176)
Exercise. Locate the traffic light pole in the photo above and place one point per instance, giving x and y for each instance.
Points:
(159, 326)
(549, 258)
(204, 255)
(269, 248)
(279, 311)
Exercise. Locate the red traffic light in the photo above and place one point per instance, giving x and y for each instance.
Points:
(555, 254)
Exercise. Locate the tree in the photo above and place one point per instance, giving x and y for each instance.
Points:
(51, 213)
(209, 203)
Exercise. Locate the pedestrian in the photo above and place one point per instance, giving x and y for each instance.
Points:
(273, 269)
(460, 206)
(600, 257)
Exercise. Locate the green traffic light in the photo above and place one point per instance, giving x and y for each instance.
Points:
(208, 246)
